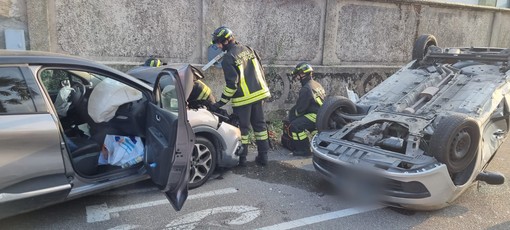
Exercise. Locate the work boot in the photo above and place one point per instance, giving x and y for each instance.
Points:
(242, 156)
(302, 153)
(242, 161)
(302, 148)
(261, 159)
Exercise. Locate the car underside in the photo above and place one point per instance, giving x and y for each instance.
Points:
(427, 131)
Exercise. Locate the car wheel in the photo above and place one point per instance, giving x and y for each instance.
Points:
(455, 142)
(203, 162)
(422, 44)
(329, 115)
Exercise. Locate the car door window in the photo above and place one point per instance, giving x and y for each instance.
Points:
(169, 99)
(15, 95)
(51, 79)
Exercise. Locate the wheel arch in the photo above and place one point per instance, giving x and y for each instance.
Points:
(212, 135)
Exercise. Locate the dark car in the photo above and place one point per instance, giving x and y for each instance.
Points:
(425, 134)
(49, 157)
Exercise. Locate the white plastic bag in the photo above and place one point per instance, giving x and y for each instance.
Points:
(121, 151)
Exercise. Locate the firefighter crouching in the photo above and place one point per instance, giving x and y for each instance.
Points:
(246, 88)
(303, 115)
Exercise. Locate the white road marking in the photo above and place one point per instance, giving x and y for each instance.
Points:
(190, 220)
(320, 218)
(96, 213)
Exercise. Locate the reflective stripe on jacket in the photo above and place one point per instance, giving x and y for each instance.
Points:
(244, 76)
(201, 92)
(311, 97)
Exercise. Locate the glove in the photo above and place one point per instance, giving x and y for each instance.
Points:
(216, 106)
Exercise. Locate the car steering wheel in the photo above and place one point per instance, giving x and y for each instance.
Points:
(78, 95)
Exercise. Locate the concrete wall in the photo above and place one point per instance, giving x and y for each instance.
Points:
(354, 43)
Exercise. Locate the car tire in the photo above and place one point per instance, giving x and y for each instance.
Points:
(327, 116)
(455, 142)
(422, 44)
(203, 162)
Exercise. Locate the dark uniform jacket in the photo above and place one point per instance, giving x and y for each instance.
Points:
(244, 76)
(200, 95)
(311, 97)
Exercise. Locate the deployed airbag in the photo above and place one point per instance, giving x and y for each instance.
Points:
(106, 98)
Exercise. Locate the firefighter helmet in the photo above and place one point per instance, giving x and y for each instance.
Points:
(301, 68)
(221, 34)
(153, 62)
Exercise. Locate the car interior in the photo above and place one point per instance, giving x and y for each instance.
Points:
(84, 134)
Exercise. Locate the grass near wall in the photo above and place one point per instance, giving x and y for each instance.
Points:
(275, 131)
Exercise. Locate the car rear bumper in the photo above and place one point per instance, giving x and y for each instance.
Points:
(429, 188)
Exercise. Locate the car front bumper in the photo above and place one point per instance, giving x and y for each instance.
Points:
(428, 188)
(232, 139)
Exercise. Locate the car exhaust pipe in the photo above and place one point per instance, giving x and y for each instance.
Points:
(494, 178)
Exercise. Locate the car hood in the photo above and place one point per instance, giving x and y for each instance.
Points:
(150, 74)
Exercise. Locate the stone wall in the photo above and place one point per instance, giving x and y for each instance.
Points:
(350, 43)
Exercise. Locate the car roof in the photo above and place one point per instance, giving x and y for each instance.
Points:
(44, 58)
(48, 58)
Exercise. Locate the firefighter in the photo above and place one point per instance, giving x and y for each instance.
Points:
(302, 116)
(153, 62)
(200, 95)
(246, 88)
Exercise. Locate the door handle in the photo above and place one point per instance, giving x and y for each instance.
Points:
(499, 133)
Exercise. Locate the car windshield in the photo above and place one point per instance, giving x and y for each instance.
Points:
(169, 100)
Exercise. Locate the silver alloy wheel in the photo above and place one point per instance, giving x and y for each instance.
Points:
(201, 163)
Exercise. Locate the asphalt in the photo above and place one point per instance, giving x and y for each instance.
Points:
(283, 168)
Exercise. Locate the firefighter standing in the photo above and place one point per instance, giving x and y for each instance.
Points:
(303, 115)
(246, 88)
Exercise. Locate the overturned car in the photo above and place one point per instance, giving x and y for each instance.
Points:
(426, 133)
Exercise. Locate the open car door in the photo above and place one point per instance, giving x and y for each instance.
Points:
(170, 139)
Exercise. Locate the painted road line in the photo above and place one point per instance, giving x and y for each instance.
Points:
(320, 218)
(96, 213)
(191, 220)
